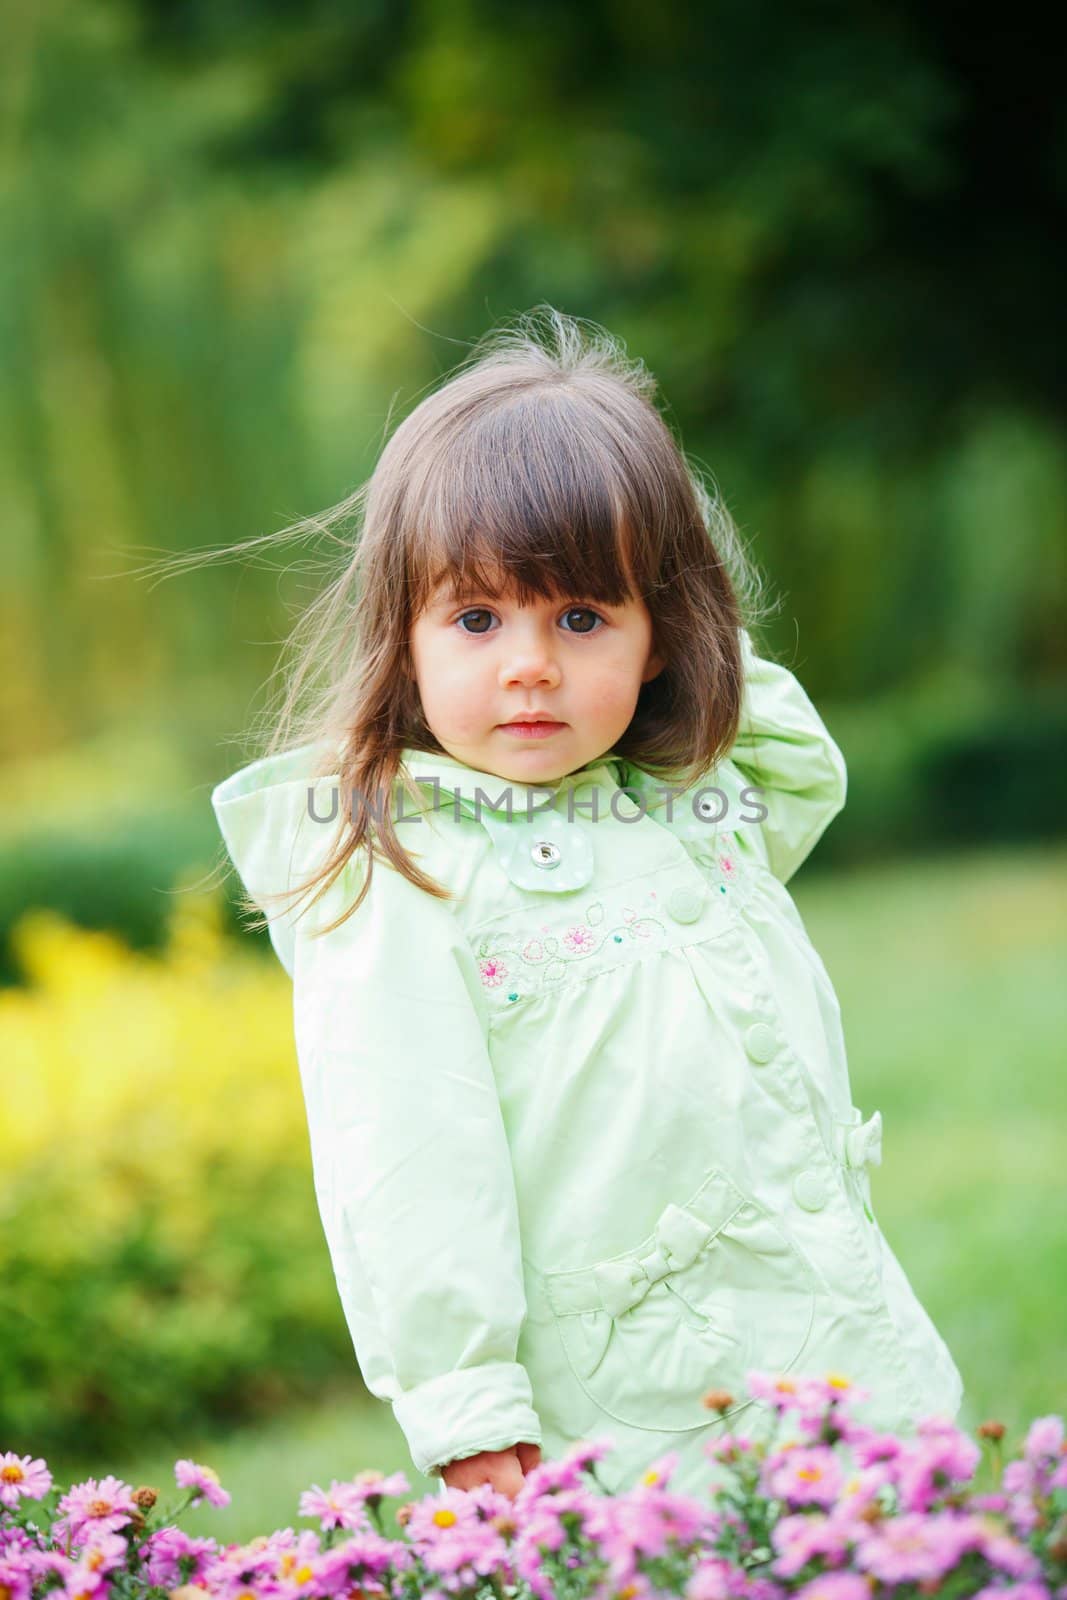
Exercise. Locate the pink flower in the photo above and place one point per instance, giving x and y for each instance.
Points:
(15, 1579)
(366, 1554)
(167, 1547)
(1014, 1591)
(108, 1504)
(205, 1482)
(912, 1547)
(801, 1537)
(714, 1579)
(436, 1514)
(337, 1507)
(943, 1458)
(579, 938)
(493, 972)
(803, 1477)
(103, 1552)
(22, 1476)
(836, 1586)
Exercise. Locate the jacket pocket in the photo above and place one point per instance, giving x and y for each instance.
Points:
(717, 1288)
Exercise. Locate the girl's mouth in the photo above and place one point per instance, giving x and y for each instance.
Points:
(532, 730)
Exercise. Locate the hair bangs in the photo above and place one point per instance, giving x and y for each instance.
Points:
(531, 498)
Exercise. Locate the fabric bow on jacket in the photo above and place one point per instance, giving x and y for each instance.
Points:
(679, 1239)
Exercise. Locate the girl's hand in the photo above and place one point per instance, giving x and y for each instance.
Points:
(504, 1469)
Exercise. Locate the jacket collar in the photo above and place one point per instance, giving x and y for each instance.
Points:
(446, 783)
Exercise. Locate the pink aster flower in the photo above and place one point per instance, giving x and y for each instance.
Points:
(16, 1578)
(205, 1482)
(473, 1551)
(942, 1459)
(801, 1537)
(777, 1390)
(164, 1549)
(22, 1476)
(803, 1477)
(371, 1484)
(103, 1552)
(435, 1514)
(713, 1579)
(568, 1472)
(339, 1506)
(359, 1561)
(911, 1547)
(836, 1586)
(108, 1504)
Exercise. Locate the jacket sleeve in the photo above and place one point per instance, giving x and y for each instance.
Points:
(413, 1170)
(783, 748)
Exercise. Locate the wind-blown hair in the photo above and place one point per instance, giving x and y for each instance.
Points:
(543, 457)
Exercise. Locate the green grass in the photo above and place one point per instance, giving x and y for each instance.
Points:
(951, 977)
(950, 974)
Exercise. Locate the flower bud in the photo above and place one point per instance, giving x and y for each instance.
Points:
(718, 1400)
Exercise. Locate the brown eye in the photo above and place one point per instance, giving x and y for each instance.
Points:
(476, 613)
(580, 612)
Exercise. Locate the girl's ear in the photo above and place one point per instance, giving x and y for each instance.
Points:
(653, 667)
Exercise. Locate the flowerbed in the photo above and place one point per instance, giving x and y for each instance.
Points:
(828, 1508)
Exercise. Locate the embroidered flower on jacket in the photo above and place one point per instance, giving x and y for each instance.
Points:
(579, 938)
(493, 972)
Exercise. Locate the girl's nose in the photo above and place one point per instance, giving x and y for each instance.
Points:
(529, 663)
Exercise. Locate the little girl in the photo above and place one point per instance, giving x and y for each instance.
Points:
(582, 1131)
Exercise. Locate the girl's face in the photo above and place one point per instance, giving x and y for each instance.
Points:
(481, 663)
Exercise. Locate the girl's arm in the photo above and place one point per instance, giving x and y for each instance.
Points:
(413, 1171)
(784, 749)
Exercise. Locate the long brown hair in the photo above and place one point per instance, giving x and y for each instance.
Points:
(543, 457)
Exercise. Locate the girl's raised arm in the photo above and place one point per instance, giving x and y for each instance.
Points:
(413, 1171)
(784, 749)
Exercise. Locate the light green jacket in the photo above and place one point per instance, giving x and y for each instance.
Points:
(583, 1137)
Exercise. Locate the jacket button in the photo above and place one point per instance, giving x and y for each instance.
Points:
(760, 1042)
(809, 1191)
(685, 903)
(545, 854)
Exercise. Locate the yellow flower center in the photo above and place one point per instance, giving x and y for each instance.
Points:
(303, 1574)
(809, 1474)
(836, 1381)
(100, 1508)
(11, 1474)
(786, 1386)
(444, 1518)
(650, 1477)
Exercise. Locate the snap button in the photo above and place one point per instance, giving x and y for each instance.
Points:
(708, 807)
(545, 854)
(685, 903)
(760, 1042)
(809, 1191)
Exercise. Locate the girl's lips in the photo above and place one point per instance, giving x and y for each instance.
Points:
(532, 730)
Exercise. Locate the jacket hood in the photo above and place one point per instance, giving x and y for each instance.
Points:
(275, 817)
